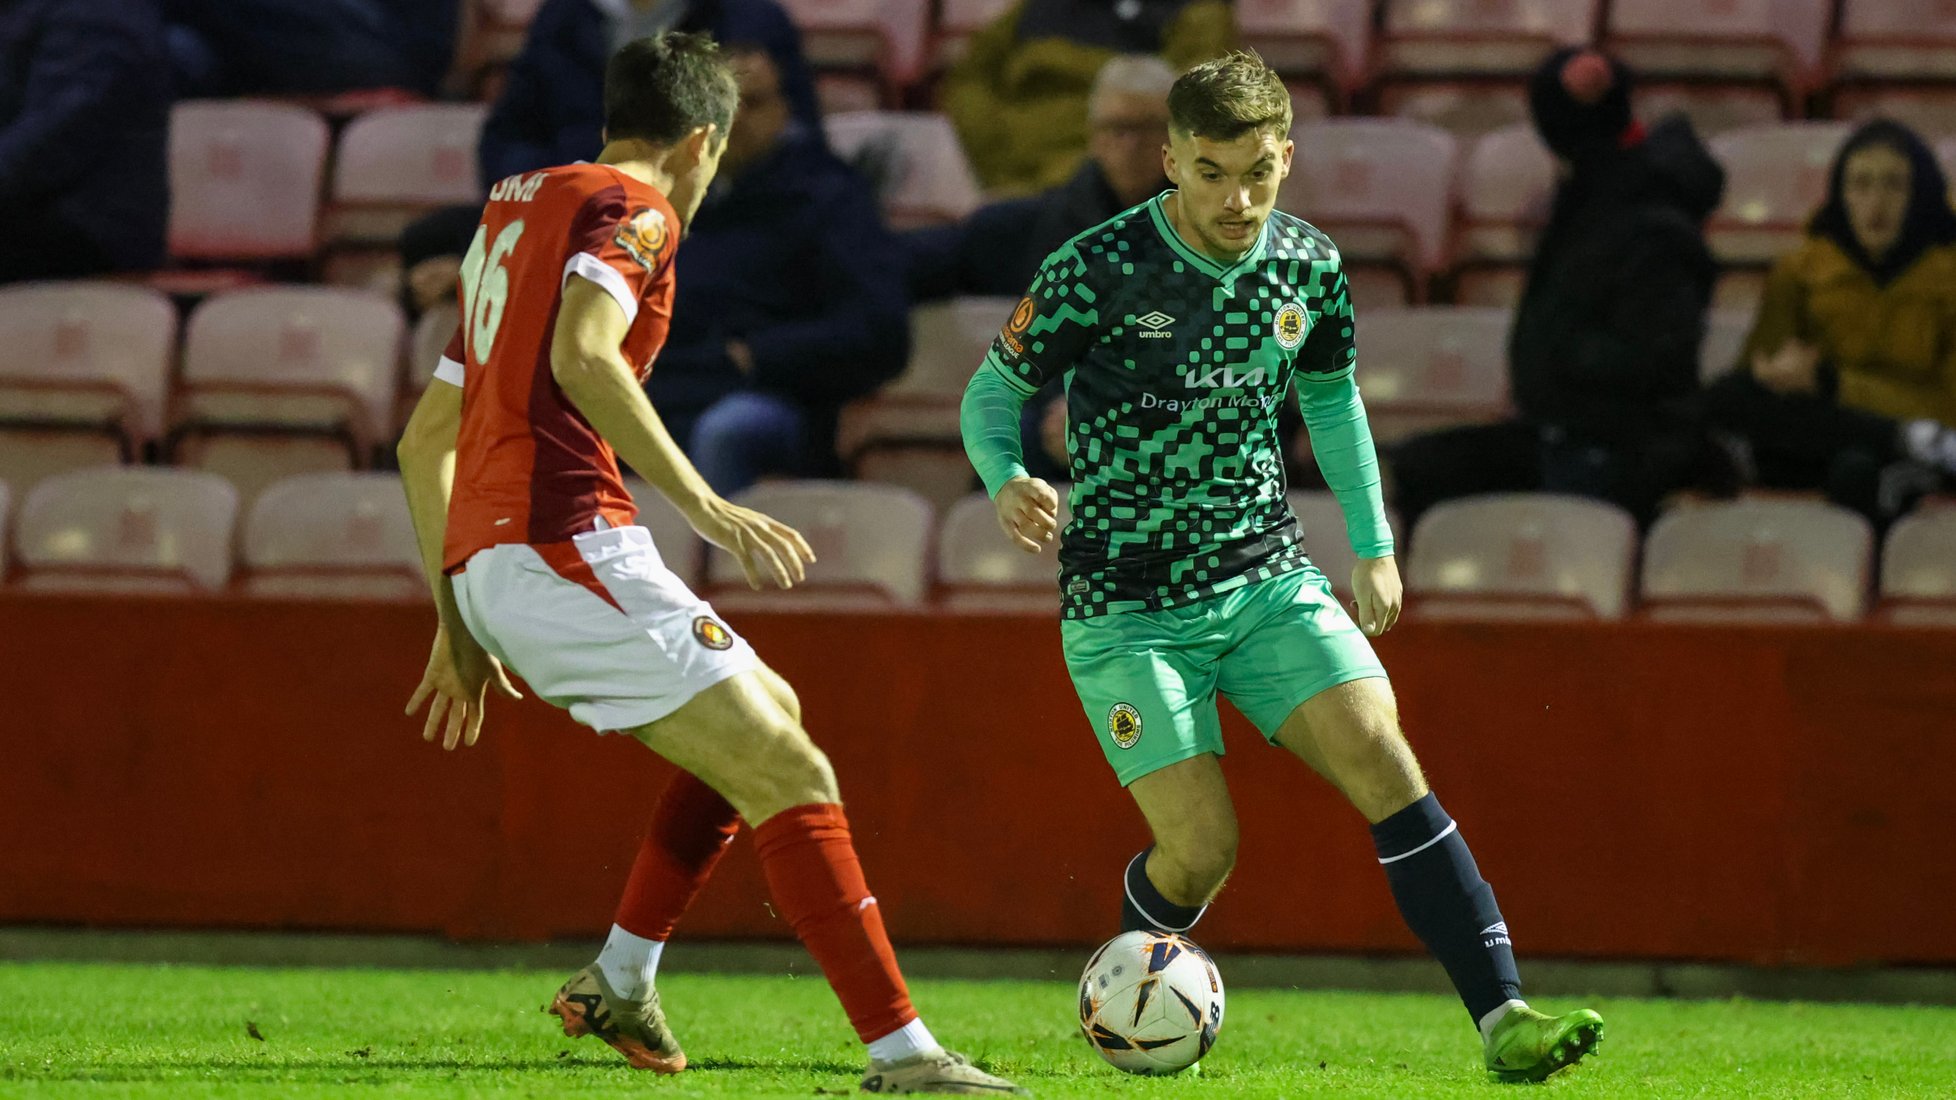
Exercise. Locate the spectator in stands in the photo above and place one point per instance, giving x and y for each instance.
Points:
(1848, 381)
(551, 109)
(552, 106)
(998, 249)
(84, 138)
(1019, 94)
(1603, 359)
(790, 299)
(310, 47)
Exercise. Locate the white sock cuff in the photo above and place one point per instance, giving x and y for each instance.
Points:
(1494, 1018)
(907, 1041)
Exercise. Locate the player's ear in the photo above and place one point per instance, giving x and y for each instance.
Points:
(1290, 147)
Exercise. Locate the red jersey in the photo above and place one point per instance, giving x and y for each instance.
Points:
(528, 467)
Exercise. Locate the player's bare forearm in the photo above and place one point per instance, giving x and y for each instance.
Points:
(585, 360)
(427, 457)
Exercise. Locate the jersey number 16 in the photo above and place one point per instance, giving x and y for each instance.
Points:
(485, 288)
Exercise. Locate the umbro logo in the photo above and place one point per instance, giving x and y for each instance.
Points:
(1500, 927)
(1156, 323)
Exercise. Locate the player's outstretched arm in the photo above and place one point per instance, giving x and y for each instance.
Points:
(460, 671)
(588, 366)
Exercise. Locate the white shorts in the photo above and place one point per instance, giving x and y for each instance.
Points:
(604, 631)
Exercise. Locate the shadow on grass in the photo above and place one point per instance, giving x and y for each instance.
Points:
(351, 1068)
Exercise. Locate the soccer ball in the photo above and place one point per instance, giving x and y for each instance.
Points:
(1151, 1002)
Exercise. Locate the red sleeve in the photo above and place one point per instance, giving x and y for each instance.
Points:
(623, 246)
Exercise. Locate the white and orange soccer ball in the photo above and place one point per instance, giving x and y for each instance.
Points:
(1151, 1002)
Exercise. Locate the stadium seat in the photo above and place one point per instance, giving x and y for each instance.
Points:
(1883, 40)
(1328, 40)
(88, 355)
(1467, 109)
(678, 544)
(245, 180)
(981, 570)
(400, 162)
(1382, 188)
(296, 359)
(333, 536)
(1421, 369)
(1755, 40)
(914, 161)
(938, 472)
(1725, 335)
(1534, 556)
(1451, 38)
(28, 455)
(948, 341)
(1506, 187)
(1775, 177)
(881, 36)
(253, 462)
(1918, 569)
(1326, 538)
(871, 543)
(1712, 108)
(126, 529)
(1929, 111)
(1758, 560)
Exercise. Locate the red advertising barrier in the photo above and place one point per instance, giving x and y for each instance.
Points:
(1763, 795)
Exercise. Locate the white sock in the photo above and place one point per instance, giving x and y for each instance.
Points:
(1489, 1021)
(907, 1041)
(629, 963)
(1931, 444)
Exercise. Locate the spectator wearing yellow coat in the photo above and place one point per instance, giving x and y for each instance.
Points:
(1848, 380)
(1018, 97)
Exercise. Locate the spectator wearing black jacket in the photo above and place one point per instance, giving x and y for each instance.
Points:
(998, 249)
(790, 300)
(552, 107)
(84, 137)
(1603, 358)
(310, 47)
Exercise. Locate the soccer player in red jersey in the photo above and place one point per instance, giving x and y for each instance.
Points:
(528, 537)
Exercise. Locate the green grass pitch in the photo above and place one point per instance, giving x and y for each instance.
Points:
(116, 1030)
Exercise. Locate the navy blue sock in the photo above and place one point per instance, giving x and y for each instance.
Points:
(1447, 905)
(1143, 909)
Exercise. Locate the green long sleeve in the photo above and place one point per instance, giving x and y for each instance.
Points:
(1342, 441)
(989, 420)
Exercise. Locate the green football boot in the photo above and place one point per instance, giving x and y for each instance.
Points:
(1528, 1046)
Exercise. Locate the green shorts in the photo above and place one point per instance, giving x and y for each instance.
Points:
(1148, 679)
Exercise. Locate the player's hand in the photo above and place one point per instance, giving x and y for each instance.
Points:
(457, 681)
(763, 545)
(1378, 594)
(1028, 512)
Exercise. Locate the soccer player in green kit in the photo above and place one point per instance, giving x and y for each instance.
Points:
(1179, 326)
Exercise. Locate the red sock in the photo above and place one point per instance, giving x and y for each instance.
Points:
(691, 827)
(817, 882)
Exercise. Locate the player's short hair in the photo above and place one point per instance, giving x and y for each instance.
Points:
(1228, 97)
(662, 87)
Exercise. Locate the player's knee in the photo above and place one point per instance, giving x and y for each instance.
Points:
(1196, 860)
(793, 772)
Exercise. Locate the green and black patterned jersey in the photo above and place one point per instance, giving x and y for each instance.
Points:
(1176, 365)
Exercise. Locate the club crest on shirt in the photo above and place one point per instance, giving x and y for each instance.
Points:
(1290, 326)
(1015, 329)
(644, 237)
(711, 634)
(1124, 725)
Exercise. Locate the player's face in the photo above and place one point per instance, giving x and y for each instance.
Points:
(1227, 188)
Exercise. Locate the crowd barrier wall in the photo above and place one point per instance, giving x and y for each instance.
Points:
(1774, 796)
